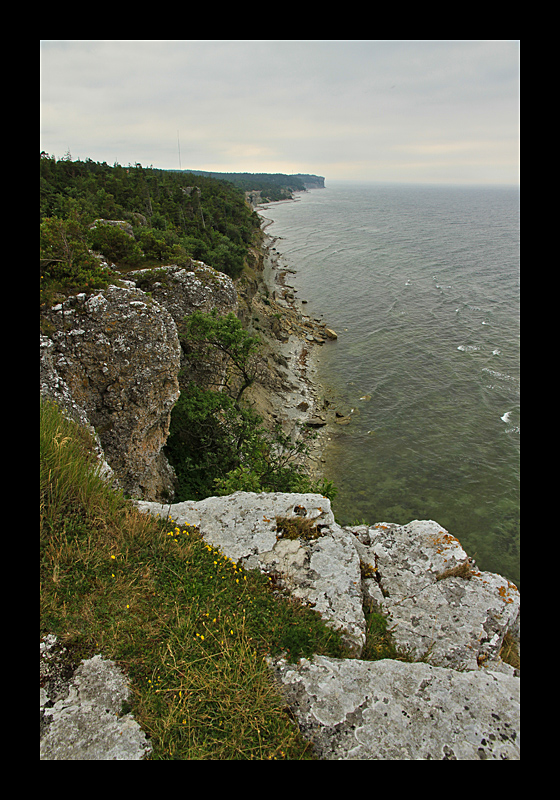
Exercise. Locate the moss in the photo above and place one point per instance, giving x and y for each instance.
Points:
(297, 528)
(463, 570)
(509, 652)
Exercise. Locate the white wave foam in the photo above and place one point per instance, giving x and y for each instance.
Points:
(468, 348)
(497, 374)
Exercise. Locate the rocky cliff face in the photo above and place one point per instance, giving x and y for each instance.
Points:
(112, 360)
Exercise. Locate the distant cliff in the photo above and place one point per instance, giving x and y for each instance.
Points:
(312, 181)
(276, 186)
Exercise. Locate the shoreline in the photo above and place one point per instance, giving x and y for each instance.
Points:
(289, 393)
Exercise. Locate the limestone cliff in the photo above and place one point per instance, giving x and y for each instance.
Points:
(112, 360)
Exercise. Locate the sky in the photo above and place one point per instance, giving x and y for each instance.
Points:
(405, 111)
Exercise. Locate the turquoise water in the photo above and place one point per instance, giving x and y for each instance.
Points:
(421, 284)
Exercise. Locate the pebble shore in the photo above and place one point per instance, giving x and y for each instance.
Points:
(289, 393)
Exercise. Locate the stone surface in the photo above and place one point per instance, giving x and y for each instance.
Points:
(182, 290)
(392, 711)
(324, 572)
(454, 620)
(81, 711)
(115, 356)
(462, 704)
(112, 361)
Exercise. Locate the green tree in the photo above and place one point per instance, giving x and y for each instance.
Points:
(225, 334)
(216, 444)
(66, 263)
(116, 245)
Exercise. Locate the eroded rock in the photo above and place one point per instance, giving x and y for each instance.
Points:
(182, 290)
(115, 357)
(81, 711)
(393, 711)
(440, 606)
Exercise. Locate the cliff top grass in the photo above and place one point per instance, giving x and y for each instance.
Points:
(189, 627)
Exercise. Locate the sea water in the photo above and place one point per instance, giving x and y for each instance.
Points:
(421, 284)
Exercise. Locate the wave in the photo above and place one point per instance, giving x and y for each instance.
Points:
(468, 348)
(496, 374)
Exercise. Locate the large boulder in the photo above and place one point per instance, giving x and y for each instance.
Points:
(440, 606)
(81, 710)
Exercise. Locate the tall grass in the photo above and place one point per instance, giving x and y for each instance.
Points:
(189, 627)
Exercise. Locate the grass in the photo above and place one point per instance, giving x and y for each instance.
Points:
(297, 528)
(189, 627)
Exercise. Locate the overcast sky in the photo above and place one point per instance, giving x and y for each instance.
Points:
(441, 111)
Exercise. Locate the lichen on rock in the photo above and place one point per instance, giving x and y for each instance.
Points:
(113, 358)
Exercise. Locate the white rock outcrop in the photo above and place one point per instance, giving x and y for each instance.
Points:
(324, 572)
(460, 702)
(393, 711)
(440, 606)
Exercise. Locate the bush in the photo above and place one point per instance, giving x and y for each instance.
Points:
(67, 266)
(116, 245)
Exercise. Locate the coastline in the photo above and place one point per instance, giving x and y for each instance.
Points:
(288, 391)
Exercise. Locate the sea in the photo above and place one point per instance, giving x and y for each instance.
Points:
(421, 283)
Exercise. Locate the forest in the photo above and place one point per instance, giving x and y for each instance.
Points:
(170, 217)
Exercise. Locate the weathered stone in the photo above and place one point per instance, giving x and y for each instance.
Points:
(81, 716)
(440, 606)
(316, 422)
(182, 290)
(324, 572)
(113, 359)
(393, 711)
(462, 705)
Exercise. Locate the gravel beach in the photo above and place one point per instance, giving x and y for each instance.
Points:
(287, 391)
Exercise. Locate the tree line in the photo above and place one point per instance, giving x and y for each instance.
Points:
(171, 218)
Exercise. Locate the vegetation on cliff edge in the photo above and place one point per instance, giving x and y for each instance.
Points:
(165, 217)
(217, 445)
(189, 627)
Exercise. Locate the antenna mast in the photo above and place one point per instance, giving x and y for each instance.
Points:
(179, 147)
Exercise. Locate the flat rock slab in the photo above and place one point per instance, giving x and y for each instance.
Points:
(84, 723)
(324, 572)
(393, 711)
(440, 606)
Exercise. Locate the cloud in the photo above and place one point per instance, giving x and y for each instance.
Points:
(347, 106)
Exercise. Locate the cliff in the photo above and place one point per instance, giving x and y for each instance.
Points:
(112, 360)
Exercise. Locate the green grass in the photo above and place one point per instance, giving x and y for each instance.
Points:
(189, 627)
